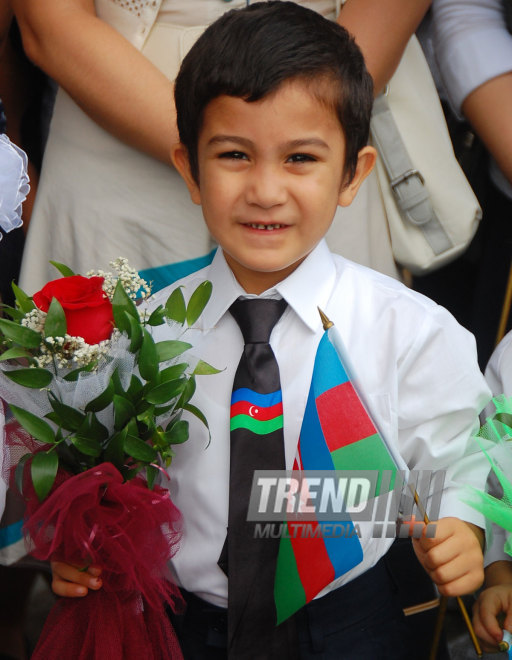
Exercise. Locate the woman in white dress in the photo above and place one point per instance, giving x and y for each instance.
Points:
(107, 187)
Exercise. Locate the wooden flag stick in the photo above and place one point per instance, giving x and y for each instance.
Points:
(505, 311)
(443, 602)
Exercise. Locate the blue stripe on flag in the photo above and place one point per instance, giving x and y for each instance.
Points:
(344, 552)
(328, 371)
(263, 400)
(314, 451)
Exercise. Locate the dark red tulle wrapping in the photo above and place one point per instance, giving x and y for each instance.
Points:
(131, 532)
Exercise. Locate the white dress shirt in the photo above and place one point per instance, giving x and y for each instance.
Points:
(416, 365)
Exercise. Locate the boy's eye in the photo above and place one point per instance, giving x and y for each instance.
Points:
(301, 158)
(233, 155)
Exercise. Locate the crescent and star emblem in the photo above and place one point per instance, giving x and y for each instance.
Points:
(253, 411)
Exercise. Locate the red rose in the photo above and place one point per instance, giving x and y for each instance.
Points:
(88, 310)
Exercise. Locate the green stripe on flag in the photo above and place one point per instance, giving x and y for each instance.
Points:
(261, 427)
(289, 594)
(367, 454)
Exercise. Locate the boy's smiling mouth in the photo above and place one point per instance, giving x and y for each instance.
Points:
(269, 227)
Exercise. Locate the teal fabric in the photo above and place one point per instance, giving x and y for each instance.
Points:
(162, 276)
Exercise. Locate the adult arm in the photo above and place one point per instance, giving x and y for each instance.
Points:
(382, 29)
(474, 53)
(108, 78)
(489, 109)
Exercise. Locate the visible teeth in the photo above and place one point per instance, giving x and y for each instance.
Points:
(266, 227)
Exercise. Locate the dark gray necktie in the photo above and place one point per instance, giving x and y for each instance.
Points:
(256, 444)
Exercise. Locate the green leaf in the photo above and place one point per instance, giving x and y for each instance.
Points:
(63, 269)
(148, 357)
(188, 392)
(121, 304)
(175, 307)
(14, 354)
(123, 411)
(103, 400)
(43, 470)
(135, 333)
(121, 319)
(151, 474)
(198, 301)
(178, 433)
(114, 451)
(161, 410)
(205, 369)
(69, 418)
(139, 450)
(118, 385)
(19, 472)
(34, 425)
(55, 324)
(175, 371)
(23, 301)
(86, 446)
(35, 377)
(73, 376)
(197, 413)
(166, 391)
(134, 391)
(168, 350)
(23, 336)
(71, 460)
(15, 314)
(157, 316)
(53, 417)
(93, 428)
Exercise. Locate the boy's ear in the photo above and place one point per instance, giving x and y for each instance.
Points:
(180, 159)
(365, 162)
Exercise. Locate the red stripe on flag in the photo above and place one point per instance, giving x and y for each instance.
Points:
(313, 563)
(257, 412)
(342, 416)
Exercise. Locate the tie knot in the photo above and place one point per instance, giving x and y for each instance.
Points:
(256, 317)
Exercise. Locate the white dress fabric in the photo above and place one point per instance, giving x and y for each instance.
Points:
(99, 199)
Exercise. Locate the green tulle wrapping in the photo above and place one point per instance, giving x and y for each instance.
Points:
(495, 440)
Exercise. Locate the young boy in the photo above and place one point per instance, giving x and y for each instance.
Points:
(273, 107)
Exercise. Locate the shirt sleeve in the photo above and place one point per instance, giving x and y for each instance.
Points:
(441, 393)
(471, 44)
(499, 369)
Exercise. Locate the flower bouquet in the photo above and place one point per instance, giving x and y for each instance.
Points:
(97, 407)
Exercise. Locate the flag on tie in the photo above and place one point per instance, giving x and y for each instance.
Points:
(337, 434)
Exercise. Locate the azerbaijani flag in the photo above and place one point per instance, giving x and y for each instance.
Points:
(337, 434)
(259, 413)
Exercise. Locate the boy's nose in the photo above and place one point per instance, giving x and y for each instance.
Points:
(265, 188)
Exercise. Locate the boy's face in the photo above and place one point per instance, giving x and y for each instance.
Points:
(271, 174)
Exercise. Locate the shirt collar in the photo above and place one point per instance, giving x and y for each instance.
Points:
(308, 287)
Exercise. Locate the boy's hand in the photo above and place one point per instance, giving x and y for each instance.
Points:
(73, 582)
(490, 603)
(453, 558)
(493, 608)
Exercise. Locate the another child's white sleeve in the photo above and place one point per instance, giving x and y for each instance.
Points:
(499, 369)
